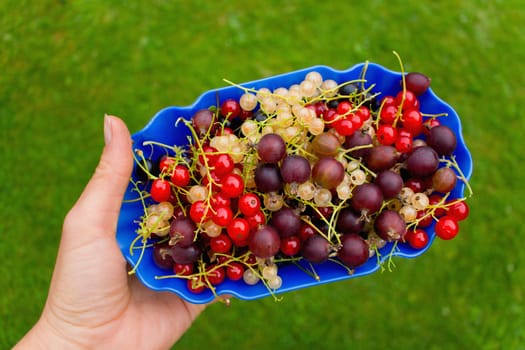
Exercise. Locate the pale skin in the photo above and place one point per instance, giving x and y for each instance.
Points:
(92, 302)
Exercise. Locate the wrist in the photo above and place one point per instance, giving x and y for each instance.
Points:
(43, 335)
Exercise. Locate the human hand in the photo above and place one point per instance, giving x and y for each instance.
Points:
(92, 302)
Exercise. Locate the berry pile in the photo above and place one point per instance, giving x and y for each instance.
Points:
(317, 171)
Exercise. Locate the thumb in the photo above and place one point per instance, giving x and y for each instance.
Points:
(99, 204)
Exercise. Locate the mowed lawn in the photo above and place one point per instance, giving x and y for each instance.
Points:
(63, 64)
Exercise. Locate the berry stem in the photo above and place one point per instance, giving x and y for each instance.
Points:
(403, 82)
(338, 262)
(141, 163)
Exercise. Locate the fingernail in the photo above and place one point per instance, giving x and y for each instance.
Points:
(107, 129)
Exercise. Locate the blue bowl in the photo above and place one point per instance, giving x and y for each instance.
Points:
(162, 128)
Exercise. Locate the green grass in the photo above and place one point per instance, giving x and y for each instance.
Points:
(66, 63)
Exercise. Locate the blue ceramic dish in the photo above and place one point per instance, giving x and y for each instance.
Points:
(162, 129)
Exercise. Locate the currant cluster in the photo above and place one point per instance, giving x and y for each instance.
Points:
(320, 170)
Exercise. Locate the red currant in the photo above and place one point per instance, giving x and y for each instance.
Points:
(250, 259)
(388, 101)
(230, 109)
(410, 100)
(356, 120)
(166, 163)
(415, 184)
(416, 104)
(435, 199)
(222, 259)
(234, 270)
(417, 239)
(344, 107)
(221, 244)
(196, 285)
(219, 200)
(323, 212)
(459, 210)
(425, 220)
(222, 216)
(246, 114)
(363, 113)
(215, 274)
(388, 114)
(249, 204)
(447, 227)
(344, 126)
(330, 116)
(183, 269)
(238, 230)
(404, 144)
(209, 154)
(198, 212)
(224, 131)
(256, 220)
(232, 185)
(291, 245)
(430, 123)
(306, 231)
(180, 176)
(413, 121)
(212, 181)
(386, 134)
(160, 190)
(223, 164)
(403, 133)
(320, 109)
